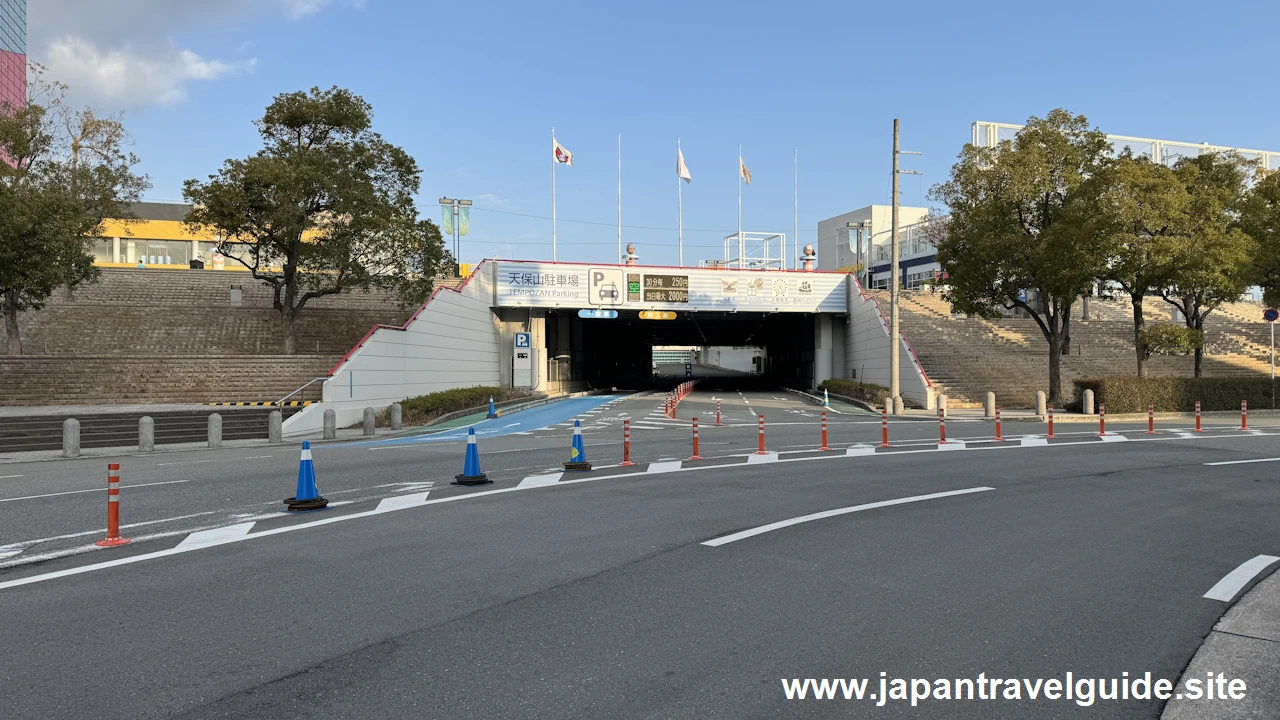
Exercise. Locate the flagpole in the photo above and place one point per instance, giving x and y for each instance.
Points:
(739, 206)
(553, 194)
(795, 213)
(619, 198)
(680, 207)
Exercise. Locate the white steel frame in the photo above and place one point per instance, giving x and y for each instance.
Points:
(1162, 151)
(755, 250)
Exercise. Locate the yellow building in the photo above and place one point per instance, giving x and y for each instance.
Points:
(157, 239)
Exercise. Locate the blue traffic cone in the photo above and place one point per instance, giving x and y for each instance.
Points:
(471, 474)
(826, 401)
(578, 453)
(307, 496)
(492, 412)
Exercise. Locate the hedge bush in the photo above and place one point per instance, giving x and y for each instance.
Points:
(866, 392)
(423, 408)
(1127, 394)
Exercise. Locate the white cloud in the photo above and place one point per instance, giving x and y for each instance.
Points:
(491, 199)
(122, 52)
(127, 78)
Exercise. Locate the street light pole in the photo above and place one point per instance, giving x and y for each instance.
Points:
(455, 206)
(893, 282)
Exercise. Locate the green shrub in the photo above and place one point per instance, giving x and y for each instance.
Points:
(1170, 339)
(866, 392)
(1128, 394)
(423, 408)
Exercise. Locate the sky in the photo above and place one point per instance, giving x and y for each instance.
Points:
(473, 90)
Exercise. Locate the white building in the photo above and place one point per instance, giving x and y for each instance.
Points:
(866, 247)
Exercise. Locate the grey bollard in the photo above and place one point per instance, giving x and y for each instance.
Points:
(275, 427)
(330, 424)
(1086, 402)
(368, 421)
(397, 416)
(897, 405)
(942, 405)
(215, 430)
(1040, 406)
(71, 437)
(146, 434)
(989, 407)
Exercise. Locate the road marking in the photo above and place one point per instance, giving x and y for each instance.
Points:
(766, 458)
(188, 462)
(258, 457)
(216, 535)
(1114, 437)
(661, 467)
(858, 451)
(1228, 586)
(6, 477)
(74, 492)
(400, 502)
(1243, 462)
(743, 535)
(504, 427)
(952, 445)
(541, 480)
(1034, 441)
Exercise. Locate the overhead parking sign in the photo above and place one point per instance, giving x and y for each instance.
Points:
(522, 340)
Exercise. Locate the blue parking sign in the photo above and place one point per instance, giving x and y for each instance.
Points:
(522, 340)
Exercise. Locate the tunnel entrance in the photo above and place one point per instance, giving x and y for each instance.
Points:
(618, 352)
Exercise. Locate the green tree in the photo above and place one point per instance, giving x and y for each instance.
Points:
(63, 172)
(1169, 339)
(1260, 220)
(1140, 207)
(1009, 242)
(325, 207)
(1212, 262)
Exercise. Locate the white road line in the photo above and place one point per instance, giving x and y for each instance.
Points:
(766, 458)
(6, 477)
(541, 480)
(661, 467)
(216, 535)
(1243, 462)
(189, 462)
(401, 502)
(717, 542)
(74, 492)
(1228, 586)
(258, 457)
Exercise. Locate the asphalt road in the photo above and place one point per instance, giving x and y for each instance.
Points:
(598, 598)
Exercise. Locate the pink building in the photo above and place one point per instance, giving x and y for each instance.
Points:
(13, 52)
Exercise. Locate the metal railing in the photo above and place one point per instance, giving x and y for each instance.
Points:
(302, 389)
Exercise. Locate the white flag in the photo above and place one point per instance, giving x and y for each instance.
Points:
(743, 171)
(561, 155)
(682, 170)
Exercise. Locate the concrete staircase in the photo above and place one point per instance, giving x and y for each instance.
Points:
(967, 357)
(173, 336)
(44, 432)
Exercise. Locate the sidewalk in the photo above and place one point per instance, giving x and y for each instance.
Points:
(1245, 644)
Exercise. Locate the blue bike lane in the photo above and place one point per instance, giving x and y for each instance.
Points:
(535, 418)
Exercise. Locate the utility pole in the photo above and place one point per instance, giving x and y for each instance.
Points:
(896, 281)
(893, 282)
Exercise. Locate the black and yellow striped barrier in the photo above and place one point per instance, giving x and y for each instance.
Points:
(294, 403)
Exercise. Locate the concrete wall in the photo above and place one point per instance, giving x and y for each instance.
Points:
(834, 251)
(454, 340)
(740, 358)
(867, 350)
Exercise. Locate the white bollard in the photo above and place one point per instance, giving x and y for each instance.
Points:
(215, 430)
(368, 421)
(71, 437)
(146, 434)
(1040, 403)
(1086, 402)
(275, 428)
(989, 406)
(330, 424)
(397, 416)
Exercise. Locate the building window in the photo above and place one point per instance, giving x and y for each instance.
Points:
(102, 250)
